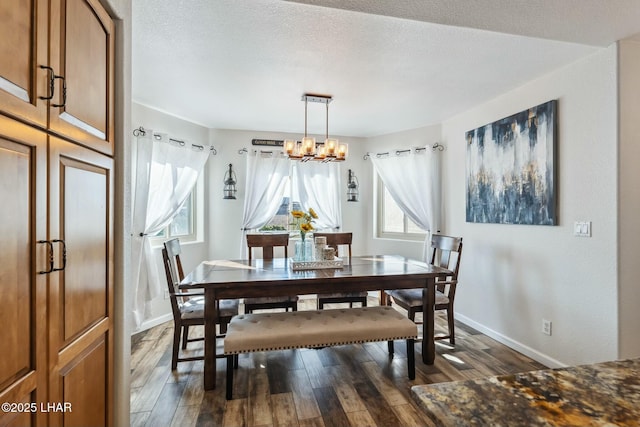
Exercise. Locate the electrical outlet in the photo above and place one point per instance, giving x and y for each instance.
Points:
(546, 327)
(166, 294)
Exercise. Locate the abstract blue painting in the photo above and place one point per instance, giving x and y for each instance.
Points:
(511, 169)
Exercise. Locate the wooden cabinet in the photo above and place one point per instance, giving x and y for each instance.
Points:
(56, 281)
(81, 50)
(59, 69)
(56, 215)
(23, 362)
(81, 295)
(23, 49)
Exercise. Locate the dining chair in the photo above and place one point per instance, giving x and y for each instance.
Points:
(267, 242)
(335, 241)
(188, 307)
(446, 253)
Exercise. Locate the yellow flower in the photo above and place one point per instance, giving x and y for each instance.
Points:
(302, 220)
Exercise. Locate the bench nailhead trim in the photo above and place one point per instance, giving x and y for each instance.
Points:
(329, 344)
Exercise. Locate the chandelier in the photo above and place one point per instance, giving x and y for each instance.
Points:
(308, 149)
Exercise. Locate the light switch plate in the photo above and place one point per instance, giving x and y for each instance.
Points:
(582, 228)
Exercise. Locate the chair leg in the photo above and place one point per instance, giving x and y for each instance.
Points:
(452, 337)
(364, 302)
(230, 377)
(223, 327)
(176, 346)
(185, 337)
(411, 359)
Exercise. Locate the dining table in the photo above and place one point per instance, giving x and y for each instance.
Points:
(234, 279)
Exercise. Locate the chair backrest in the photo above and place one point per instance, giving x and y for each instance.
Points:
(173, 270)
(337, 239)
(446, 253)
(173, 252)
(267, 242)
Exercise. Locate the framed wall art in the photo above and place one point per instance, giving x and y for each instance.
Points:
(511, 176)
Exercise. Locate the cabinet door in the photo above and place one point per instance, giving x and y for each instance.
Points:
(82, 51)
(81, 295)
(23, 49)
(23, 364)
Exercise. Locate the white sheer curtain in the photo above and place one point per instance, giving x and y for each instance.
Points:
(317, 186)
(164, 174)
(413, 180)
(265, 185)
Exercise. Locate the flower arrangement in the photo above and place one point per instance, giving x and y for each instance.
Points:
(303, 220)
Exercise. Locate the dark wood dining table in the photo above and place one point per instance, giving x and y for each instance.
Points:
(229, 279)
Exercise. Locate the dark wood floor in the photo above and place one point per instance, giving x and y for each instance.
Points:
(355, 385)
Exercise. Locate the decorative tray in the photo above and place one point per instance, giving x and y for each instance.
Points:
(315, 265)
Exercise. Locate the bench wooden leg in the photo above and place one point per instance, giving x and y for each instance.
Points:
(230, 360)
(411, 359)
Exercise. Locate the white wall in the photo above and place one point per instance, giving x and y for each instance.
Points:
(629, 197)
(120, 11)
(513, 276)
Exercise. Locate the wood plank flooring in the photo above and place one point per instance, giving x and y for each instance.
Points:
(354, 385)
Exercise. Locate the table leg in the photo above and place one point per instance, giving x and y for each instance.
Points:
(428, 305)
(383, 298)
(210, 320)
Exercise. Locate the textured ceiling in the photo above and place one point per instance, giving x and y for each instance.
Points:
(390, 65)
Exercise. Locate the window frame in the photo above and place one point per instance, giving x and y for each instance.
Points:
(380, 232)
(195, 197)
(292, 233)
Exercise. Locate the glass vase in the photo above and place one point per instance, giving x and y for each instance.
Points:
(298, 254)
(308, 250)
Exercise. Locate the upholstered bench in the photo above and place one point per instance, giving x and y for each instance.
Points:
(318, 328)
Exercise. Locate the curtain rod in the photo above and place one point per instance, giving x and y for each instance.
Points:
(142, 132)
(434, 147)
(263, 152)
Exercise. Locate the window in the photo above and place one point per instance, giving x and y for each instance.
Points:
(183, 224)
(313, 184)
(391, 221)
(281, 221)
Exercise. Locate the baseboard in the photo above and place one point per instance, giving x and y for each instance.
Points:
(524, 349)
(150, 323)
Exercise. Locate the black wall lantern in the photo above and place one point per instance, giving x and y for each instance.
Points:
(352, 187)
(230, 184)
